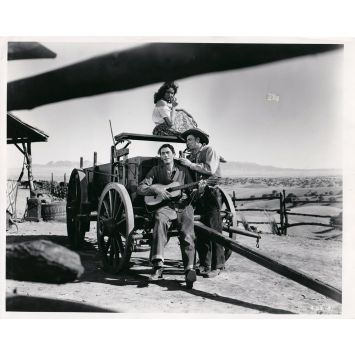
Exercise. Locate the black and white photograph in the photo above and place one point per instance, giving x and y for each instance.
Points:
(194, 177)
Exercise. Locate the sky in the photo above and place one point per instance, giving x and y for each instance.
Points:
(285, 114)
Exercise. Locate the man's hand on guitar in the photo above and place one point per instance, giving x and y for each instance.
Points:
(162, 193)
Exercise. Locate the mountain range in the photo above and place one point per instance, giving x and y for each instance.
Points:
(229, 169)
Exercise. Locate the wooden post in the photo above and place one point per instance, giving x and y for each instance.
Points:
(52, 183)
(281, 214)
(81, 162)
(28, 155)
(234, 202)
(117, 172)
(112, 160)
(95, 158)
(285, 212)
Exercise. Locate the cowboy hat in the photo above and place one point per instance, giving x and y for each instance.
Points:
(204, 137)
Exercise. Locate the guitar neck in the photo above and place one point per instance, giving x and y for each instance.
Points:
(180, 187)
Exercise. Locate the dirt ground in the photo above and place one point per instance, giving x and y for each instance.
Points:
(243, 288)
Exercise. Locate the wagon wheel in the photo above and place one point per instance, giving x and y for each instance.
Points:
(77, 196)
(228, 206)
(115, 224)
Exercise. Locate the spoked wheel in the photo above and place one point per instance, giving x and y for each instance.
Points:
(115, 224)
(77, 196)
(228, 217)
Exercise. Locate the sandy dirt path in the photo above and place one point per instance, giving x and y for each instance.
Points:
(244, 287)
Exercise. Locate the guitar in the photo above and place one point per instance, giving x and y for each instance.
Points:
(154, 201)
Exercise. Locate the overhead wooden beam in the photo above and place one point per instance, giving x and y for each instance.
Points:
(293, 274)
(147, 64)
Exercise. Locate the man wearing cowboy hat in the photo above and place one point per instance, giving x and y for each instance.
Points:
(204, 163)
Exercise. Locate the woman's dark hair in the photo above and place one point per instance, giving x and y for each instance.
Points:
(166, 146)
(162, 90)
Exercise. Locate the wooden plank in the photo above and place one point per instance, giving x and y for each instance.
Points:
(309, 224)
(147, 137)
(259, 222)
(121, 152)
(257, 209)
(255, 198)
(242, 232)
(292, 274)
(316, 201)
(308, 215)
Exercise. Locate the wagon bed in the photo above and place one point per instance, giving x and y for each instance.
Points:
(107, 194)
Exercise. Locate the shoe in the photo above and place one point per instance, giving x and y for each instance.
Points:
(213, 273)
(202, 270)
(157, 274)
(190, 278)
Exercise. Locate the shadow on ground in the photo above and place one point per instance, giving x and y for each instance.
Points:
(138, 277)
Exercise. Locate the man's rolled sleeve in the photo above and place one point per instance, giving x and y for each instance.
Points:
(145, 186)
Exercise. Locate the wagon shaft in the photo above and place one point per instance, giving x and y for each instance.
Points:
(293, 274)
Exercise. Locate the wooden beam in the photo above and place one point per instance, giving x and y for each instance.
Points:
(256, 198)
(293, 274)
(147, 137)
(145, 65)
(257, 209)
(18, 147)
(309, 224)
(29, 168)
(242, 232)
(308, 215)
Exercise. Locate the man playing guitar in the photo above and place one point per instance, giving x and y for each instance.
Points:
(180, 209)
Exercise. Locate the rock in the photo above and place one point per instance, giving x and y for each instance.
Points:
(42, 261)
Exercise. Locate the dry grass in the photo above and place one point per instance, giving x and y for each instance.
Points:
(274, 228)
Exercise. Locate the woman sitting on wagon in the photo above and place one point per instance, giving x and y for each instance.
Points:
(170, 121)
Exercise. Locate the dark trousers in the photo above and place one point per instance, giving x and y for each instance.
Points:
(211, 254)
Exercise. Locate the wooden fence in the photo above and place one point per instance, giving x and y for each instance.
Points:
(11, 196)
(284, 211)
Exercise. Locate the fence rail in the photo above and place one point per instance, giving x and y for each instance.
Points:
(285, 212)
(308, 215)
(257, 209)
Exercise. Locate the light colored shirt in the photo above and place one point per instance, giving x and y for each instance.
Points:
(206, 162)
(162, 109)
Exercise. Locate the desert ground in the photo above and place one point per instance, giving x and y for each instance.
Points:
(243, 288)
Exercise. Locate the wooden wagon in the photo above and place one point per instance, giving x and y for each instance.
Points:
(108, 195)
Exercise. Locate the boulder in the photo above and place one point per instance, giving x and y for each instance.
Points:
(42, 261)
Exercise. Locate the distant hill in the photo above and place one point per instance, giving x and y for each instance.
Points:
(61, 164)
(44, 171)
(229, 169)
(233, 168)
